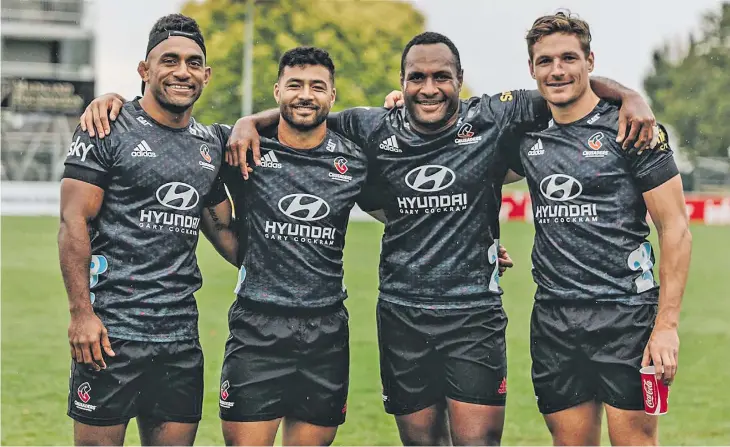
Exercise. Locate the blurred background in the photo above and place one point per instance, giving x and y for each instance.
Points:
(56, 55)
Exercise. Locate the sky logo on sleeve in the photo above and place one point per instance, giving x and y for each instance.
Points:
(79, 149)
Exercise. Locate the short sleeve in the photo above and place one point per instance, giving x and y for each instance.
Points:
(356, 124)
(217, 193)
(90, 159)
(371, 196)
(223, 132)
(653, 167)
(524, 110)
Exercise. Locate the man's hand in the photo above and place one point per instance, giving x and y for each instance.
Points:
(505, 261)
(99, 112)
(87, 336)
(394, 99)
(663, 351)
(243, 137)
(636, 114)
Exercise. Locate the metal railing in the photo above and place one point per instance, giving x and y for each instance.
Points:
(60, 11)
(47, 70)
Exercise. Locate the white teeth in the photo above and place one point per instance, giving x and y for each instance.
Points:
(180, 87)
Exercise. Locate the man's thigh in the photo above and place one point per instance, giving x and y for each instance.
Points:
(562, 375)
(174, 384)
(111, 396)
(412, 373)
(474, 350)
(258, 367)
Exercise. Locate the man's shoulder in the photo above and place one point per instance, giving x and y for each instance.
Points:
(367, 118)
(337, 142)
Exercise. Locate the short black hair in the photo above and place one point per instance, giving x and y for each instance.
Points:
(430, 38)
(307, 56)
(176, 22)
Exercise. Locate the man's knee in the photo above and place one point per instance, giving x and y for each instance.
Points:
(632, 428)
(89, 435)
(426, 427)
(478, 436)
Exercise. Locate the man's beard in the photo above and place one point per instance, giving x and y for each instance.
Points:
(171, 107)
(287, 114)
(415, 115)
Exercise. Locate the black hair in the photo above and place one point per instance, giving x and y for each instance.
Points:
(430, 38)
(176, 22)
(307, 56)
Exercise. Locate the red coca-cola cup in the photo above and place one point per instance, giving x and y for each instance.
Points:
(655, 392)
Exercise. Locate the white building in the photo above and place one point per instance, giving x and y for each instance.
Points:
(47, 68)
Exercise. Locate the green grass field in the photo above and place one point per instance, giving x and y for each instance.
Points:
(35, 355)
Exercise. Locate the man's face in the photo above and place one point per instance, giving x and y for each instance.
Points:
(431, 85)
(305, 95)
(175, 73)
(560, 68)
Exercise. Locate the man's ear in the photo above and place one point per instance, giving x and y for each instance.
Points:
(591, 61)
(276, 92)
(143, 70)
(207, 75)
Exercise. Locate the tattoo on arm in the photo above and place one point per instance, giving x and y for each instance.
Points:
(217, 224)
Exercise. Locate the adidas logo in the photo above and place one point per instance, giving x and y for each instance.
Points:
(503, 386)
(536, 149)
(269, 160)
(143, 150)
(390, 144)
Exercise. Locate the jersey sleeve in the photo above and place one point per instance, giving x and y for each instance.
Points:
(522, 110)
(90, 159)
(656, 166)
(356, 124)
(370, 197)
(217, 193)
(223, 133)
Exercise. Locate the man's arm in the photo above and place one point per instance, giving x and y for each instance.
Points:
(245, 135)
(378, 215)
(97, 116)
(666, 206)
(635, 112)
(512, 177)
(217, 226)
(80, 203)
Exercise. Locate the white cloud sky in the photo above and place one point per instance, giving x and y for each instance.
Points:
(489, 35)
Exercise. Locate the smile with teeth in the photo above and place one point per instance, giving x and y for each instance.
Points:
(180, 87)
(559, 84)
(430, 105)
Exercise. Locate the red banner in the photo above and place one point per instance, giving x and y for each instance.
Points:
(710, 210)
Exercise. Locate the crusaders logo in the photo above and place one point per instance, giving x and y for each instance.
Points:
(594, 142)
(224, 390)
(341, 164)
(205, 153)
(83, 392)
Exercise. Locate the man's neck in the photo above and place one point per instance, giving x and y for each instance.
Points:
(428, 131)
(164, 116)
(301, 139)
(575, 110)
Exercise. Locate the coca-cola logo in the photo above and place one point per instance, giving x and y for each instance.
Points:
(649, 390)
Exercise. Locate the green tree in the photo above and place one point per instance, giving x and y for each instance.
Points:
(364, 38)
(690, 87)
